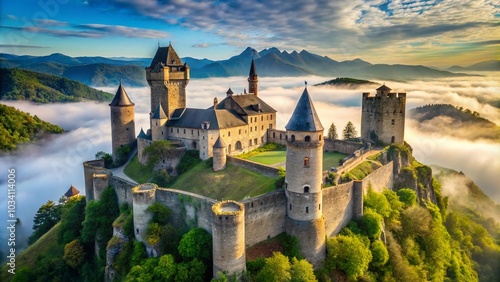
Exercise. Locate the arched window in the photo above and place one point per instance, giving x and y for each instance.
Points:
(393, 139)
(306, 161)
(306, 189)
(293, 137)
(194, 144)
(274, 135)
(238, 145)
(308, 138)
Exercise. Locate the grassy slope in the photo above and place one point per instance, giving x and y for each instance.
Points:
(234, 182)
(46, 247)
(275, 157)
(138, 172)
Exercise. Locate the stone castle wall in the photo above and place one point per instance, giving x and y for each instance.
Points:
(276, 136)
(260, 168)
(380, 179)
(341, 146)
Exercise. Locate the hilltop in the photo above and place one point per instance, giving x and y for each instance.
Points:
(454, 121)
(18, 127)
(346, 82)
(19, 84)
(491, 65)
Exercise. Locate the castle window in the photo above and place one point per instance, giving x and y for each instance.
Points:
(192, 132)
(290, 206)
(250, 129)
(308, 138)
(239, 131)
(229, 148)
(137, 230)
(262, 128)
(156, 123)
(255, 128)
(228, 133)
(194, 144)
(319, 207)
(306, 189)
(262, 139)
(392, 122)
(255, 141)
(306, 161)
(274, 135)
(393, 139)
(251, 205)
(271, 117)
(162, 132)
(286, 185)
(293, 137)
(280, 136)
(184, 131)
(262, 118)
(177, 130)
(307, 209)
(198, 132)
(238, 145)
(320, 137)
(270, 126)
(171, 130)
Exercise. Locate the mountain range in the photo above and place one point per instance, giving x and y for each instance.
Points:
(491, 65)
(100, 71)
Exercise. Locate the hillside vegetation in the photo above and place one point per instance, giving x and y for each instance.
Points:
(18, 84)
(17, 127)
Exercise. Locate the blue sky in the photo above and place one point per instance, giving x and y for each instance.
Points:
(430, 32)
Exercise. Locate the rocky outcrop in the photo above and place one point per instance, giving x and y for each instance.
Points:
(115, 245)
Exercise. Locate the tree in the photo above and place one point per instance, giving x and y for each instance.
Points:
(45, 218)
(372, 222)
(408, 197)
(349, 254)
(166, 268)
(157, 151)
(349, 131)
(277, 268)
(108, 159)
(302, 271)
(73, 214)
(332, 132)
(74, 254)
(379, 253)
(197, 243)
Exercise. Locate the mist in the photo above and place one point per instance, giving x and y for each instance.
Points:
(45, 171)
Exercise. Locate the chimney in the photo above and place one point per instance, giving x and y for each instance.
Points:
(215, 102)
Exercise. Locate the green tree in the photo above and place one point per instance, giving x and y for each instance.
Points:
(45, 218)
(74, 254)
(407, 196)
(379, 253)
(197, 243)
(73, 214)
(349, 131)
(166, 268)
(302, 271)
(108, 159)
(377, 202)
(349, 254)
(372, 223)
(157, 151)
(277, 268)
(332, 132)
(192, 271)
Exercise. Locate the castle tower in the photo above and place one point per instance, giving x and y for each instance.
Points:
(383, 117)
(142, 197)
(304, 169)
(158, 121)
(253, 80)
(219, 155)
(122, 122)
(228, 238)
(168, 77)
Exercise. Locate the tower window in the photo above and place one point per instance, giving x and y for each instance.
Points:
(393, 139)
(177, 130)
(250, 129)
(307, 209)
(255, 128)
(262, 118)
(271, 117)
(239, 131)
(306, 161)
(306, 189)
(320, 137)
(171, 130)
(184, 131)
(392, 122)
(319, 207)
(290, 206)
(293, 138)
(274, 135)
(228, 133)
(192, 132)
(308, 138)
(156, 123)
(255, 141)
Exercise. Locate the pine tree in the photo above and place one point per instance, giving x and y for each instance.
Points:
(349, 131)
(332, 132)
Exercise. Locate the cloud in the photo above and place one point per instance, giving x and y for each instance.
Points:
(21, 46)
(49, 22)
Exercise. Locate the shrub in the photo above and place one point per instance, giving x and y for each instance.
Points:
(188, 160)
(349, 254)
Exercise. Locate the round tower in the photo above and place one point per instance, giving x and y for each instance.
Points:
(228, 238)
(122, 122)
(304, 169)
(253, 80)
(219, 155)
(142, 197)
(158, 121)
(101, 182)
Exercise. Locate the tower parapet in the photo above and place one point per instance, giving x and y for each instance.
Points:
(304, 166)
(383, 117)
(228, 237)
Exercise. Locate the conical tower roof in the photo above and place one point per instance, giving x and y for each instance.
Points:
(304, 117)
(253, 70)
(167, 56)
(121, 98)
(72, 191)
(143, 135)
(384, 88)
(159, 112)
(219, 143)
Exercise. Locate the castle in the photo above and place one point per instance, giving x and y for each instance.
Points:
(303, 209)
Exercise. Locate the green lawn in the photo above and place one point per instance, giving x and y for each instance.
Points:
(274, 158)
(138, 172)
(232, 183)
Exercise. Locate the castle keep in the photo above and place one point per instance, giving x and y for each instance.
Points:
(239, 123)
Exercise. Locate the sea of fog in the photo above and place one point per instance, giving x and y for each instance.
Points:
(46, 171)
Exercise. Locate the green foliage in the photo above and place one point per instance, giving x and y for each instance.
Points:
(162, 178)
(360, 171)
(372, 223)
(18, 127)
(332, 132)
(377, 202)
(349, 254)
(254, 266)
(331, 178)
(166, 268)
(138, 253)
(188, 161)
(153, 233)
(277, 268)
(19, 84)
(267, 147)
(123, 154)
(45, 218)
(379, 253)
(157, 151)
(349, 131)
(192, 271)
(302, 271)
(407, 196)
(108, 159)
(280, 182)
(73, 214)
(196, 244)
(291, 245)
(396, 207)
(74, 254)
(161, 213)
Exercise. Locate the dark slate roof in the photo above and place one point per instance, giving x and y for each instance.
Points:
(72, 191)
(192, 118)
(304, 117)
(121, 98)
(167, 56)
(249, 104)
(219, 143)
(159, 112)
(253, 70)
(143, 135)
(384, 88)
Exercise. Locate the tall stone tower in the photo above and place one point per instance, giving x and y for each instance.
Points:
(253, 80)
(168, 77)
(304, 169)
(219, 155)
(383, 117)
(158, 121)
(122, 122)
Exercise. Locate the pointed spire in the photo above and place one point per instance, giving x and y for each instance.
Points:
(159, 112)
(219, 143)
(253, 70)
(72, 191)
(143, 135)
(166, 56)
(121, 97)
(304, 117)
